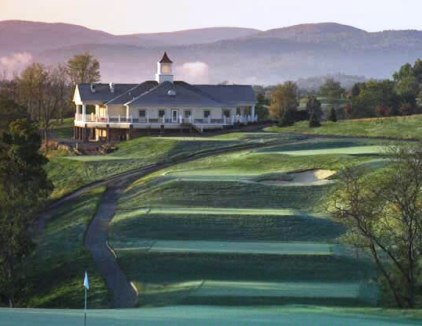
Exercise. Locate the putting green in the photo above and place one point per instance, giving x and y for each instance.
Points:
(354, 150)
(208, 316)
(279, 289)
(201, 211)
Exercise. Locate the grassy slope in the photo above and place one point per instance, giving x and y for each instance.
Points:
(170, 273)
(56, 268)
(70, 173)
(408, 127)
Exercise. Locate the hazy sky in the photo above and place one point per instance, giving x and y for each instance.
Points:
(137, 16)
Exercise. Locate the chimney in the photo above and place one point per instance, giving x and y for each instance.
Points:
(111, 87)
(92, 86)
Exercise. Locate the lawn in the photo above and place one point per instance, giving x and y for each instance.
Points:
(56, 268)
(407, 127)
(63, 130)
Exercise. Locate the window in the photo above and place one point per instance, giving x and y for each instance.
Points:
(161, 113)
(207, 113)
(226, 113)
(187, 113)
(142, 113)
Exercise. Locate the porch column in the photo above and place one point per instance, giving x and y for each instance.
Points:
(130, 134)
(85, 133)
(253, 113)
(108, 133)
(83, 112)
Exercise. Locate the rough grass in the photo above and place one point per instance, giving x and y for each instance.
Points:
(56, 268)
(408, 127)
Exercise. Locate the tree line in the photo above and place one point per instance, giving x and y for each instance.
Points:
(400, 95)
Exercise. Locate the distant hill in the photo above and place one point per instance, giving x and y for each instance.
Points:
(238, 55)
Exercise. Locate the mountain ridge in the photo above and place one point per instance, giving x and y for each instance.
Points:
(230, 54)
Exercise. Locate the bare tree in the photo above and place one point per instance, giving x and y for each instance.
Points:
(45, 92)
(383, 212)
(83, 68)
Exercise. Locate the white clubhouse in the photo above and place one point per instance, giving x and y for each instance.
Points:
(109, 112)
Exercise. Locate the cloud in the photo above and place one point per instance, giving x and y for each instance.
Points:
(15, 62)
(193, 72)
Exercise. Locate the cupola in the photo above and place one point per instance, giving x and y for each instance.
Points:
(164, 69)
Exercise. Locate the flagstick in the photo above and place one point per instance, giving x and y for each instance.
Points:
(85, 306)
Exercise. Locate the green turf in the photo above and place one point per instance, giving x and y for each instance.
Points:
(63, 130)
(346, 150)
(240, 247)
(223, 228)
(207, 316)
(407, 127)
(71, 172)
(219, 219)
(56, 268)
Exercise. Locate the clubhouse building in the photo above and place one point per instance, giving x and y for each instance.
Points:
(111, 112)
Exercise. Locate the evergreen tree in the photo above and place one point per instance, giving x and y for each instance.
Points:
(314, 120)
(23, 188)
(288, 118)
(333, 115)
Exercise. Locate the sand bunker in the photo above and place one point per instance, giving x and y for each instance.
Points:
(304, 178)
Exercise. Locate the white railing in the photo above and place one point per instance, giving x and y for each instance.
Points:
(235, 119)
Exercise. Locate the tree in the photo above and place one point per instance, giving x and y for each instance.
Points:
(332, 90)
(23, 189)
(288, 118)
(383, 213)
(314, 110)
(83, 68)
(46, 92)
(9, 111)
(261, 107)
(31, 86)
(284, 103)
(333, 115)
(314, 121)
(373, 94)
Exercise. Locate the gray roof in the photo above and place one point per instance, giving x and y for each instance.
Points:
(133, 92)
(230, 94)
(102, 93)
(177, 93)
(168, 94)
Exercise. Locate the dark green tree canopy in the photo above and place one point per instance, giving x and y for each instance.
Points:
(23, 189)
(332, 90)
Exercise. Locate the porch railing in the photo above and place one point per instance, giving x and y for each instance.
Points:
(236, 119)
